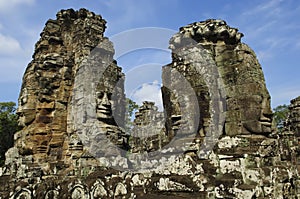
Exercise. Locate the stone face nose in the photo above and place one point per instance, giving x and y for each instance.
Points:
(266, 114)
(105, 101)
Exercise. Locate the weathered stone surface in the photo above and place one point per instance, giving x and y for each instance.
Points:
(70, 114)
(293, 122)
(48, 83)
(214, 44)
(290, 136)
(148, 133)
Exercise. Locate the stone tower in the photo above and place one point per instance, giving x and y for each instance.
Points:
(47, 103)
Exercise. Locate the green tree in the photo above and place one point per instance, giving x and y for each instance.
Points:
(8, 126)
(131, 108)
(280, 115)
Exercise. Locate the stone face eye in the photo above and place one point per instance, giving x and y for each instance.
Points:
(100, 95)
(109, 95)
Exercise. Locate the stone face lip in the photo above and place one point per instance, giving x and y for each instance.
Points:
(211, 30)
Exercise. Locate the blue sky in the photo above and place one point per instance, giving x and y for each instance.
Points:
(271, 28)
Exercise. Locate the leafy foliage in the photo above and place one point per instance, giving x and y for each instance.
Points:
(280, 115)
(8, 126)
(131, 108)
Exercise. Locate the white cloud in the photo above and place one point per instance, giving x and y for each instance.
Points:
(264, 55)
(270, 28)
(13, 59)
(260, 29)
(274, 46)
(297, 45)
(9, 45)
(128, 13)
(149, 92)
(7, 6)
(283, 95)
(273, 5)
(140, 75)
(12, 67)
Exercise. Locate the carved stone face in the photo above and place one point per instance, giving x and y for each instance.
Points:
(258, 120)
(248, 100)
(26, 110)
(26, 116)
(257, 112)
(104, 105)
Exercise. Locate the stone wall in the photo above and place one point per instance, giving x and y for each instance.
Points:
(290, 135)
(215, 139)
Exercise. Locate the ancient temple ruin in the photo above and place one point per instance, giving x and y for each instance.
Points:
(215, 138)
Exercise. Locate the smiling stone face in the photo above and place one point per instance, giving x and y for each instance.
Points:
(110, 97)
(258, 118)
(104, 102)
(248, 100)
(248, 108)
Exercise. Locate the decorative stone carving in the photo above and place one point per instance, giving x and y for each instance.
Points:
(23, 194)
(98, 191)
(104, 106)
(79, 192)
(111, 104)
(120, 190)
(52, 194)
